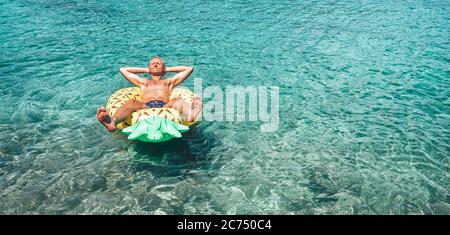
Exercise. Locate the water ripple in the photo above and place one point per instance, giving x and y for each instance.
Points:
(365, 114)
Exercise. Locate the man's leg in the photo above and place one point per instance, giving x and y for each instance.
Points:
(121, 114)
(189, 111)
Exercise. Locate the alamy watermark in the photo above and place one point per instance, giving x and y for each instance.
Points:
(263, 104)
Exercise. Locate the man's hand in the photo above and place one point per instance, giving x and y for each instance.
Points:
(130, 74)
(183, 72)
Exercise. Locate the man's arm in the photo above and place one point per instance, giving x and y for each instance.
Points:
(183, 72)
(130, 74)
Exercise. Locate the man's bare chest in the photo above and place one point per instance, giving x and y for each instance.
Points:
(155, 85)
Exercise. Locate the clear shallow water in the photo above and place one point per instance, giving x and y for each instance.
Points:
(365, 114)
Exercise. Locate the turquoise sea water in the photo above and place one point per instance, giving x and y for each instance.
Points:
(364, 116)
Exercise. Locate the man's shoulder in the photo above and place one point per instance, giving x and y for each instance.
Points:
(167, 80)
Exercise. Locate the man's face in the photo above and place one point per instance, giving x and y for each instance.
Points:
(156, 67)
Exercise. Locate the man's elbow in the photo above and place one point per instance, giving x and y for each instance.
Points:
(123, 70)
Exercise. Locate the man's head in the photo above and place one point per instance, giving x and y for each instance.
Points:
(156, 66)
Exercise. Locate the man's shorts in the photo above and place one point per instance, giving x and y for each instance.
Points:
(155, 104)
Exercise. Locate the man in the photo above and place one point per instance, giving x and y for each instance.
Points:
(155, 93)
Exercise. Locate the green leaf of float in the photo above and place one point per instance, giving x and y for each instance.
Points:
(180, 127)
(170, 129)
(142, 129)
(155, 129)
(154, 135)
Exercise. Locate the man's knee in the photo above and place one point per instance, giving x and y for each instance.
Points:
(172, 103)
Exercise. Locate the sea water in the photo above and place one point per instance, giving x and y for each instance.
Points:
(364, 107)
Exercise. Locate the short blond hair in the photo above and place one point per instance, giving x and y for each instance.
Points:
(156, 57)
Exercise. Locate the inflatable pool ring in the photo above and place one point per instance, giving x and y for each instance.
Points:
(152, 124)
